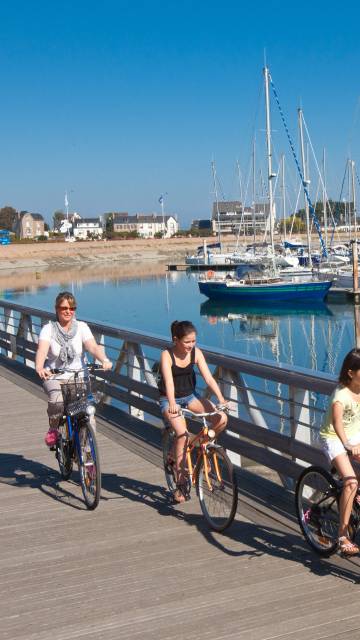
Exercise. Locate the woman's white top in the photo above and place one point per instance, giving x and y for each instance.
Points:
(82, 335)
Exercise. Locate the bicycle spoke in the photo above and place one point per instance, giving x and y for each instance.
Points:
(90, 475)
(64, 453)
(217, 489)
(317, 509)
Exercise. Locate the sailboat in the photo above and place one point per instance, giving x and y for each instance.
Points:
(266, 285)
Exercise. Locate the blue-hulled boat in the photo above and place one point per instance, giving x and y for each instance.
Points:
(263, 289)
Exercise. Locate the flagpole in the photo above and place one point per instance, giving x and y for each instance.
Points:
(67, 213)
(161, 200)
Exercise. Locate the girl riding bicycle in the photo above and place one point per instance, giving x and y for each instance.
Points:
(340, 435)
(177, 389)
(61, 346)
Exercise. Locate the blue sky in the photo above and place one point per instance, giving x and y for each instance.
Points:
(121, 101)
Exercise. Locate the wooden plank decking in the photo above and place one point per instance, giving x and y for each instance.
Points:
(139, 567)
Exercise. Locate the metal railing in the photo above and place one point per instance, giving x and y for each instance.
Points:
(276, 410)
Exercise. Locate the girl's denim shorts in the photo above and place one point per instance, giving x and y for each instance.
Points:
(182, 402)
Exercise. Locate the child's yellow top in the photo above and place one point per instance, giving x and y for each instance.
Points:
(351, 414)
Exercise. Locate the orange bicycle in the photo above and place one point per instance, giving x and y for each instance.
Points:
(208, 468)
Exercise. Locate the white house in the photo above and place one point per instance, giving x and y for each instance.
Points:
(146, 225)
(234, 217)
(85, 228)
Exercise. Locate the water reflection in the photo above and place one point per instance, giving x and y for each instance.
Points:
(314, 336)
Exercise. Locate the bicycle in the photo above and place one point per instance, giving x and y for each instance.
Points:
(208, 469)
(76, 442)
(317, 496)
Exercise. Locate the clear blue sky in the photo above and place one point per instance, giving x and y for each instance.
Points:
(119, 101)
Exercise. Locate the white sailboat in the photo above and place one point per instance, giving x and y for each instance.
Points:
(269, 287)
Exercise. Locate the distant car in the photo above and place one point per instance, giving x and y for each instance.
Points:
(5, 236)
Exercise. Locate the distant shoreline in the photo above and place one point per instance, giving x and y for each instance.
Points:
(52, 255)
(40, 256)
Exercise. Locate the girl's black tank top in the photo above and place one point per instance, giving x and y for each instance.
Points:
(184, 377)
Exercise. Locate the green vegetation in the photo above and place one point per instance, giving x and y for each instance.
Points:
(8, 217)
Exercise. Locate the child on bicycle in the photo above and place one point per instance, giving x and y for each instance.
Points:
(340, 435)
(177, 390)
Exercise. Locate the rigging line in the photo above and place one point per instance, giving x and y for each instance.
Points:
(337, 207)
(316, 164)
(311, 208)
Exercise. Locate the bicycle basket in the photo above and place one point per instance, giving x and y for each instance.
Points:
(75, 393)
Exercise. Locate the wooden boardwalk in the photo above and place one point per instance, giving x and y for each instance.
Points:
(138, 567)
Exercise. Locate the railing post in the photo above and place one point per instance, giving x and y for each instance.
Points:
(25, 331)
(134, 372)
(9, 316)
(225, 379)
(299, 413)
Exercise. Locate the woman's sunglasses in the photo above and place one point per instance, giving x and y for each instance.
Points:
(67, 308)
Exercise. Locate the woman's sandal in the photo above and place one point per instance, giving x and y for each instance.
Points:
(347, 548)
(178, 495)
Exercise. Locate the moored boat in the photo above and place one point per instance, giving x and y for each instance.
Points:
(264, 289)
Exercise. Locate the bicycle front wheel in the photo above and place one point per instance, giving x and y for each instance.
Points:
(89, 467)
(217, 488)
(63, 453)
(317, 509)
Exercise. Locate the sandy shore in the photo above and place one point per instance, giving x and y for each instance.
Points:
(57, 254)
(26, 279)
(44, 264)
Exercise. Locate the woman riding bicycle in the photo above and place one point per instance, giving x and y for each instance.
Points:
(61, 346)
(177, 389)
(340, 434)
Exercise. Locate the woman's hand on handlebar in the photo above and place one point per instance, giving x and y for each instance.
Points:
(173, 408)
(223, 406)
(44, 373)
(353, 449)
(106, 364)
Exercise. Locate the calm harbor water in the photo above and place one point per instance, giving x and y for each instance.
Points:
(315, 338)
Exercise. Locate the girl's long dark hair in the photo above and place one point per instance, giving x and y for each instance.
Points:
(181, 329)
(351, 361)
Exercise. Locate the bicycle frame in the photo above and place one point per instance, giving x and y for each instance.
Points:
(72, 421)
(202, 439)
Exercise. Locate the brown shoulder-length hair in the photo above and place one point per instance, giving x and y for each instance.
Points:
(181, 329)
(64, 295)
(351, 363)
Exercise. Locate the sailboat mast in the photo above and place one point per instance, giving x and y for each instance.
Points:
(283, 192)
(349, 199)
(324, 200)
(305, 184)
(253, 193)
(269, 158)
(354, 198)
(217, 202)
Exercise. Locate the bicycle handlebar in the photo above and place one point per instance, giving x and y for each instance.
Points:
(193, 414)
(89, 367)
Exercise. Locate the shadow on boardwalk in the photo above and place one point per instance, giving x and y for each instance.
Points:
(18, 471)
(256, 539)
(259, 539)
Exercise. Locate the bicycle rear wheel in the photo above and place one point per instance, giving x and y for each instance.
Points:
(168, 449)
(218, 495)
(317, 509)
(90, 474)
(63, 453)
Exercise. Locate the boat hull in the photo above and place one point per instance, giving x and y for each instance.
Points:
(277, 292)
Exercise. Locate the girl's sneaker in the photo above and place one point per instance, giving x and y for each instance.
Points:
(51, 437)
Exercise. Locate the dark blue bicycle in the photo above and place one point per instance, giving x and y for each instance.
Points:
(77, 431)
